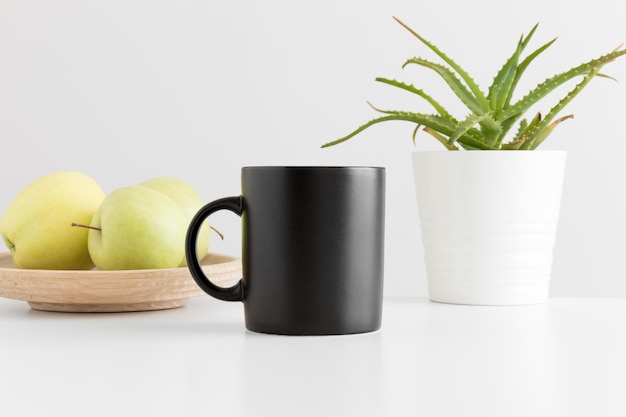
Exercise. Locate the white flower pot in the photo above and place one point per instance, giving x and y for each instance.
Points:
(489, 220)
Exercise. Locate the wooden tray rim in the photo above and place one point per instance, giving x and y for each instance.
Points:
(132, 290)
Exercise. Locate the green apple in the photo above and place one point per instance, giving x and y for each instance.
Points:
(188, 198)
(36, 226)
(137, 228)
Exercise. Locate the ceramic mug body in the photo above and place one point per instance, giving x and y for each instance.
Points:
(312, 249)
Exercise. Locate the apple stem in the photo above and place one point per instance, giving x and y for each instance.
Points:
(86, 227)
(218, 232)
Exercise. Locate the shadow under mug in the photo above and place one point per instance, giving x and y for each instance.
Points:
(312, 249)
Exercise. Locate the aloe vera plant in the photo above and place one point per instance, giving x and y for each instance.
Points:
(493, 114)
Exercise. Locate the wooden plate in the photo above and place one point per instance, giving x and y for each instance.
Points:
(111, 291)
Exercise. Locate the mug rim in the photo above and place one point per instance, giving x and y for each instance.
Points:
(312, 167)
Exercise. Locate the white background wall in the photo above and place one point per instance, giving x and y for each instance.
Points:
(127, 90)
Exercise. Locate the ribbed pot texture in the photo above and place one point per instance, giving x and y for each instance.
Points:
(489, 222)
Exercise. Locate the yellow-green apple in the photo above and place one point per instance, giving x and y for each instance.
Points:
(37, 225)
(188, 198)
(137, 228)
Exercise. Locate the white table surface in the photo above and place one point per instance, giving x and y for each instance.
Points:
(563, 358)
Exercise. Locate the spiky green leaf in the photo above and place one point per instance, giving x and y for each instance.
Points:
(502, 83)
(410, 88)
(512, 146)
(469, 122)
(434, 122)
(441, 138)
(453, 82)
(556, 81)
(523, 66)
(474, 88)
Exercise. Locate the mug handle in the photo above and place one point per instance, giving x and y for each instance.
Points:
(234, 293)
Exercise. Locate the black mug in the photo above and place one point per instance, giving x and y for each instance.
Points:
(312, 249)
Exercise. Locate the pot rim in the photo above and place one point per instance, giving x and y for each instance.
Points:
(518, 152)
